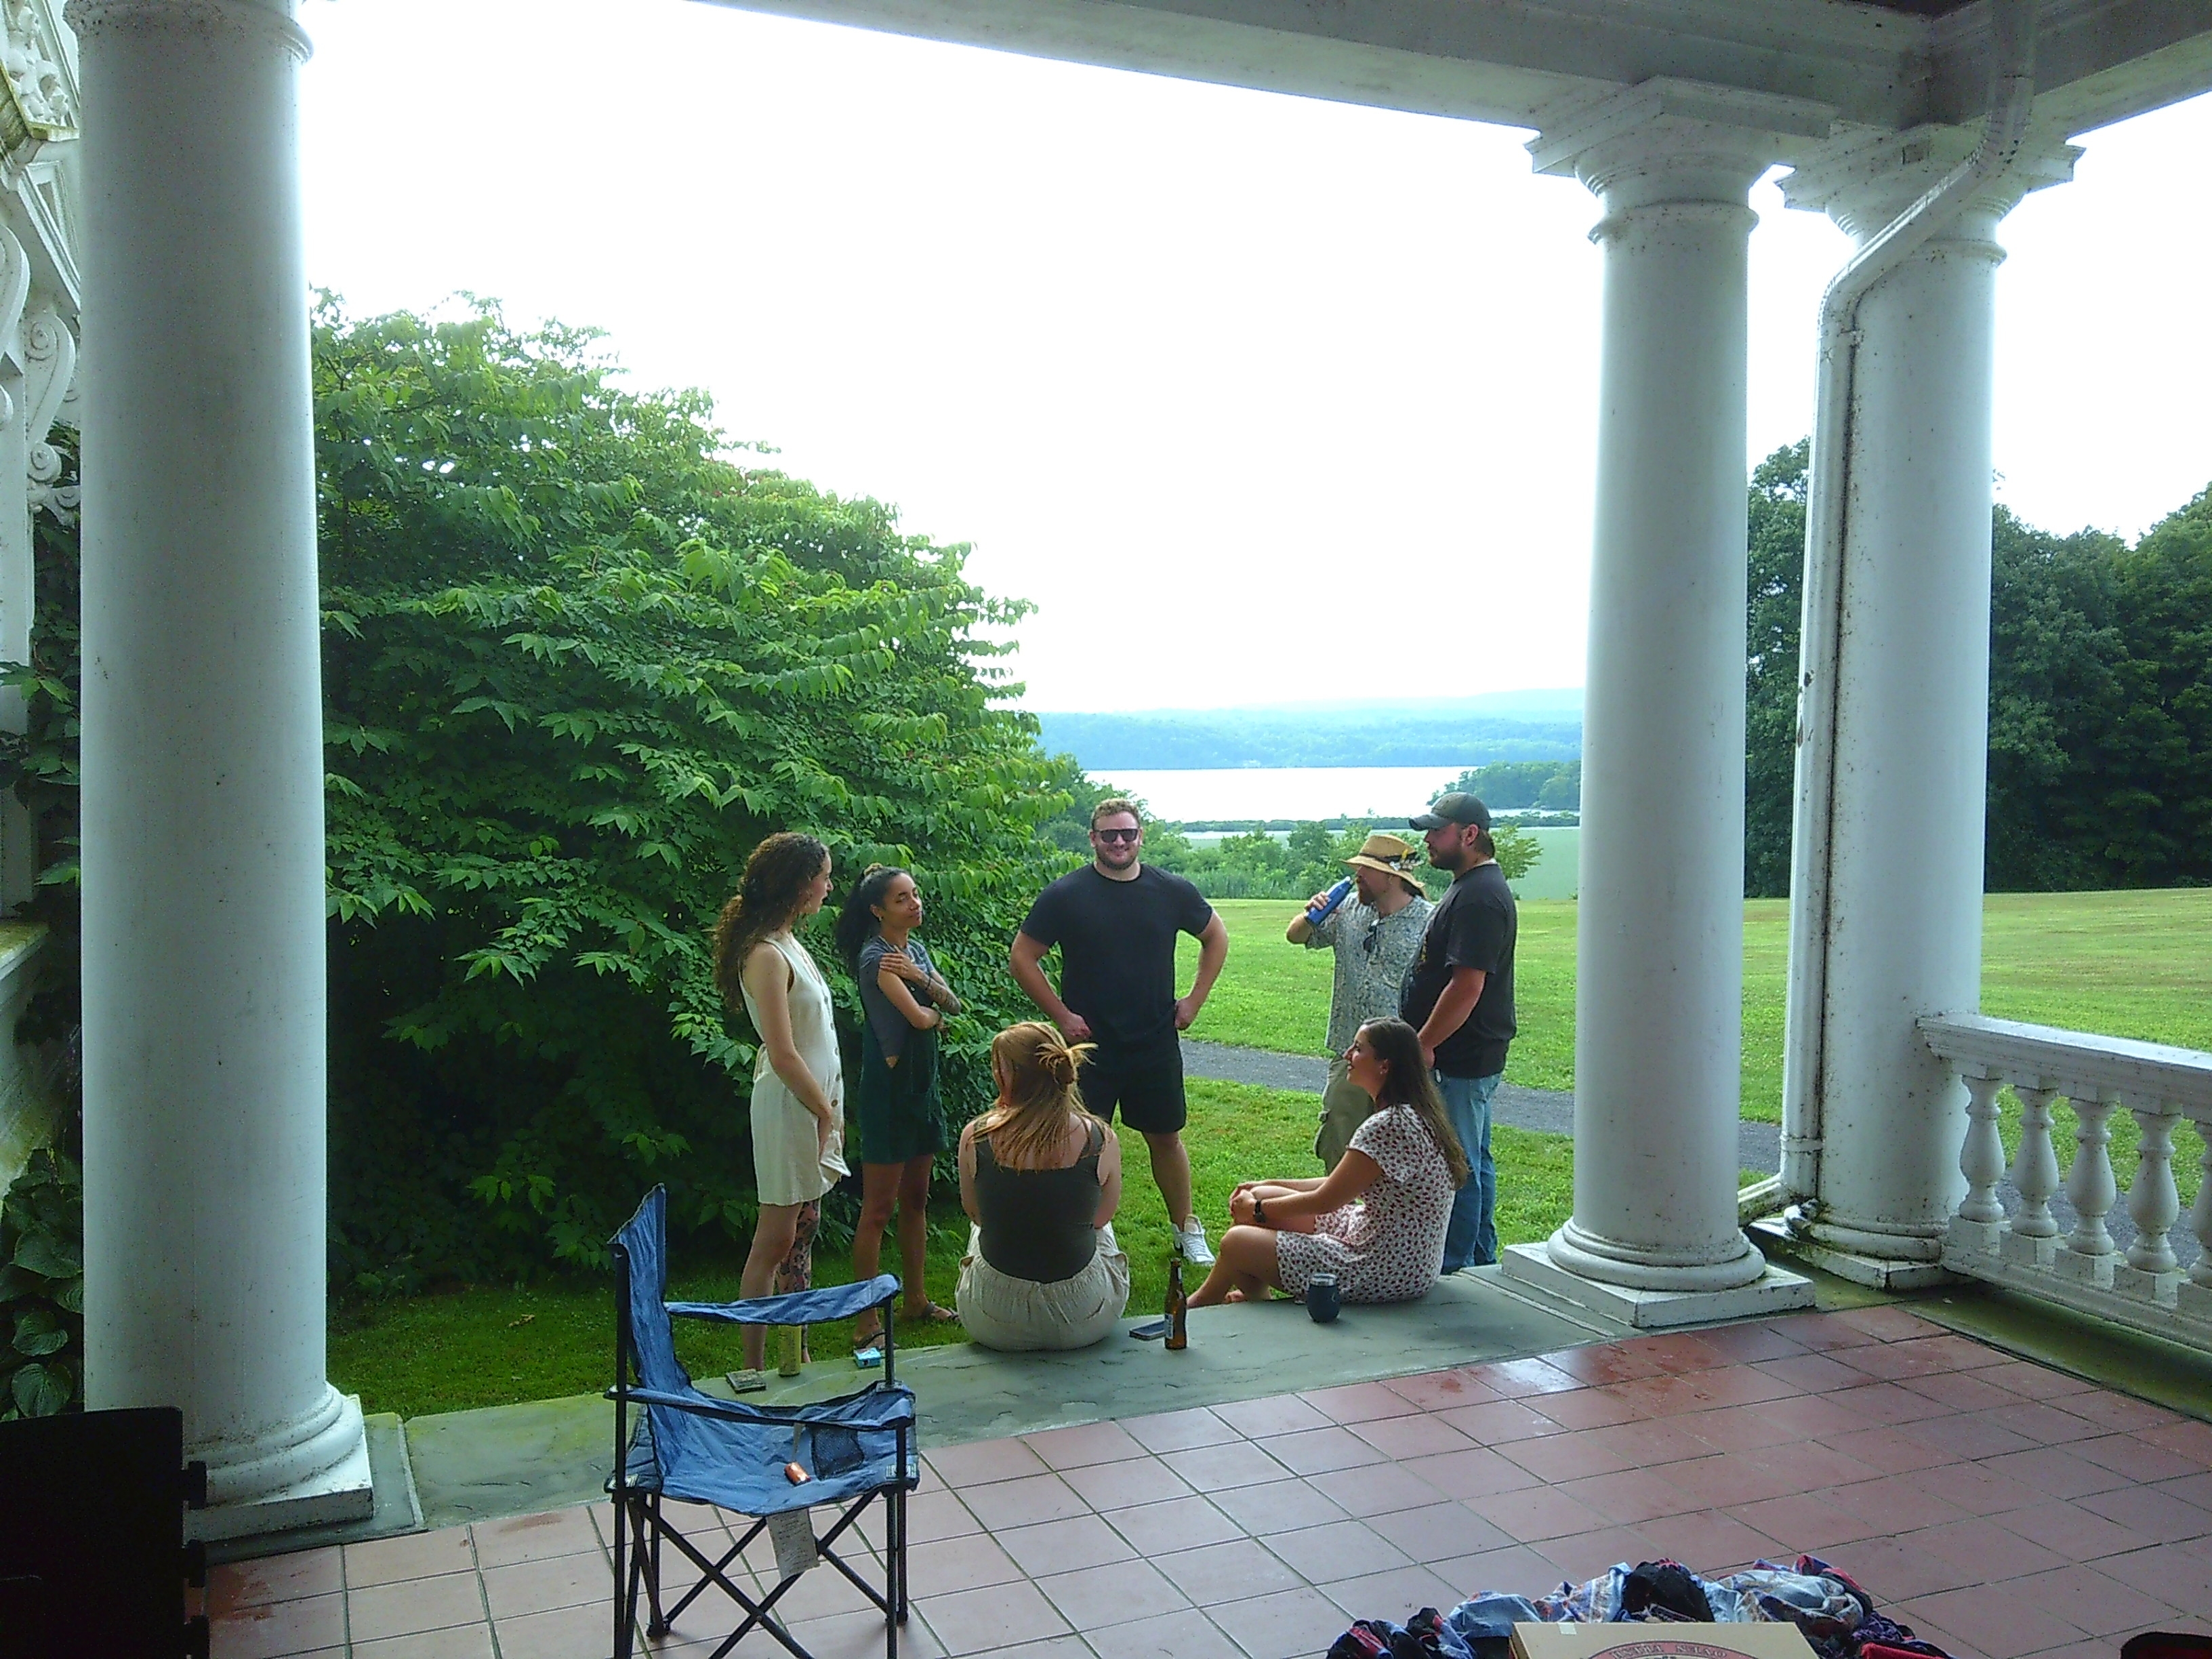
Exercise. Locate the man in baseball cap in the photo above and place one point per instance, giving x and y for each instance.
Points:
(1374, 932)
(1458, 994)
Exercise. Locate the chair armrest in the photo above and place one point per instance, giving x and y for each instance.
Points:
(797, 1307)
(874, 1407)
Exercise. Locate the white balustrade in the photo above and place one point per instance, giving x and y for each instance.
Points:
(2091, 1190)
(2159, 1087)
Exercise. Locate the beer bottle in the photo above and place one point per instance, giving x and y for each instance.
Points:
(1178, 1305)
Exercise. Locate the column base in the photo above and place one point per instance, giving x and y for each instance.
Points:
(341, 1492)
(1880, 1273)
(1774, 1291)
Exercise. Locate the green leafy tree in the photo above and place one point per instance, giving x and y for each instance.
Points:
(2101, 707)
(1516, 785)
(1776, 557)
(2054, 646)
(578, 661)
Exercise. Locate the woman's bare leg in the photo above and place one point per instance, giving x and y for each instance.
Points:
(880, 1193)
(773, 1234)
(796, 1271)
(1244, 1263)
(913, 1230)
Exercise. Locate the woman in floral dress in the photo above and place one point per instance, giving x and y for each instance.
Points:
(1376, 1221)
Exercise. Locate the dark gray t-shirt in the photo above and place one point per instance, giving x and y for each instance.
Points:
(1117, 949)
(889, 1024)
(1473, 926)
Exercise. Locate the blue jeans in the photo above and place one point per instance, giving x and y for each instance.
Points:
(1471, 1237)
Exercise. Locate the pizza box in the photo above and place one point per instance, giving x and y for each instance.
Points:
(1634, 1640)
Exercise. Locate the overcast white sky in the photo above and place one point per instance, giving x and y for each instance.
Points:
(1193, 368)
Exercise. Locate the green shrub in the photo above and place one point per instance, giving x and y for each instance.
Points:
(577, 662)
(42, 1289)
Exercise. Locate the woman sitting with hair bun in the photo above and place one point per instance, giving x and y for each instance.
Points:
(1040, 1178)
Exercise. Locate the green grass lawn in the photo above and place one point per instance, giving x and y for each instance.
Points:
(490, 1346)
(2126, 964)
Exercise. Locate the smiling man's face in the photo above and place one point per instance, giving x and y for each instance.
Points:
(1115, 839)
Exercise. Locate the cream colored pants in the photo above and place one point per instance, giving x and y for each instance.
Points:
(1021, 1314)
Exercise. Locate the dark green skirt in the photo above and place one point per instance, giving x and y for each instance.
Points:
(898, 1111)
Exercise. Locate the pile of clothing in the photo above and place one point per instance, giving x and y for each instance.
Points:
(1836, 1617)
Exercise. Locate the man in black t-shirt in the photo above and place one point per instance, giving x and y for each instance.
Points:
(1459, 996)
(1116, 923)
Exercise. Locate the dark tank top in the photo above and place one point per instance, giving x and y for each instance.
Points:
(1038, 1224)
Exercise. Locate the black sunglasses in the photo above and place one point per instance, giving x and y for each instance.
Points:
(1117, 835)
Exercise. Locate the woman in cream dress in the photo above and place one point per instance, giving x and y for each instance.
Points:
(799, 1086)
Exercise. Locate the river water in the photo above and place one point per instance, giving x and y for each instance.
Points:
(1286, 792)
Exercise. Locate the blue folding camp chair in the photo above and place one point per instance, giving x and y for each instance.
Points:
(697, 1449)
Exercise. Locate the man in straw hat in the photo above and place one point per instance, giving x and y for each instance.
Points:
(1374, 933)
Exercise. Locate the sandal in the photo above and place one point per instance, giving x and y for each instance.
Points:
(933, 1313)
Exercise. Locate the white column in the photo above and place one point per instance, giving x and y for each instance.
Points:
(1904, 852)
(19, 857)
(1659, 953)
(202, 822)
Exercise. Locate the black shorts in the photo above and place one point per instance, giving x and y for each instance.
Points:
(1147, 1086)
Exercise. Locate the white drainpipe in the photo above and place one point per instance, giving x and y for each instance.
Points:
(2013, 27)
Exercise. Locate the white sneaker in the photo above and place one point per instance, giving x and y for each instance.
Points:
(1191, 1245)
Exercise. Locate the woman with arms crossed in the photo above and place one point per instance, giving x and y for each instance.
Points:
(900, 1120)
(1376, 1221)
(799, 1083)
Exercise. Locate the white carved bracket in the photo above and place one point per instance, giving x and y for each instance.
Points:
(49, 366)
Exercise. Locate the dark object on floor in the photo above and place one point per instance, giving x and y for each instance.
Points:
(1323, 1300)
(1424, 1635)
(93, 1556)
(775, 1463)
(2166, 1644)
(1668, 1585)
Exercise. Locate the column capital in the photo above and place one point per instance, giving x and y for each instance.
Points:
(1863, 178)
(1667, 140)
(269, 20)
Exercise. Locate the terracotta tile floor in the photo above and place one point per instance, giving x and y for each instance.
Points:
(2003, 1508)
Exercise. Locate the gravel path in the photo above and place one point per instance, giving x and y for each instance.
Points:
(1759, 1145)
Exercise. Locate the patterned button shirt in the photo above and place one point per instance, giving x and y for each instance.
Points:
(1372, 955)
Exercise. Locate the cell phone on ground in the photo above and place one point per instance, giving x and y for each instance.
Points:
(1151, 1333)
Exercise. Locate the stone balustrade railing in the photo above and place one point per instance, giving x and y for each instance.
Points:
(2144, 1284)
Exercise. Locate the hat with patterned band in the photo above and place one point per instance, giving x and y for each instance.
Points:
(1392, 855)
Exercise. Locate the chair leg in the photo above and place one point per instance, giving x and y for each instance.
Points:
(894, 1562)
(898, 1506)
(629, 1525)
(647, 1547)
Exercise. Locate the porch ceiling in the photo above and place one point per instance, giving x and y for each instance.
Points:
(1891, 64)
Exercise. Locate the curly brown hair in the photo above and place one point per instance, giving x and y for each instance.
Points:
(767, 895)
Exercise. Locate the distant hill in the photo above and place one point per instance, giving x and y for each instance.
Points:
(1459, 732)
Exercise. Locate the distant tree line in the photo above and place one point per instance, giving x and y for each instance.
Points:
(1413, 734)
(2100, 698)
(1258, 863)
(1556, 786)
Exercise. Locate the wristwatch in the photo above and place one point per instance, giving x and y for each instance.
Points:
(1259, 1211)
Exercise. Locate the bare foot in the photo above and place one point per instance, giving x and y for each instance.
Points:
(1234, 1296)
